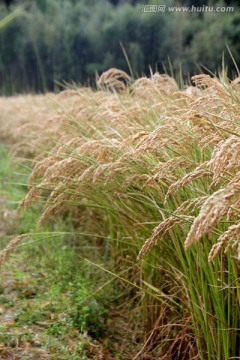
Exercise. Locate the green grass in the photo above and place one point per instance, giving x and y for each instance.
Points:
(48, 296)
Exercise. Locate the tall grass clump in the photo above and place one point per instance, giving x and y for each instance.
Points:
(155, 172)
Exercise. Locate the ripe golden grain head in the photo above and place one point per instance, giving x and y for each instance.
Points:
(152, 137)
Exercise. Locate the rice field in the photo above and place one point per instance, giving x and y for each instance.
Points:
(152, 173)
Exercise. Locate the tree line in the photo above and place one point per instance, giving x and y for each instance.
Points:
(58, 41)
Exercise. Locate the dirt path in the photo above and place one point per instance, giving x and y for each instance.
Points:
(47, 310)
(35, 301)
(19, 281)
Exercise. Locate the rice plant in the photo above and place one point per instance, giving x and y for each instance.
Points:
(154, 171)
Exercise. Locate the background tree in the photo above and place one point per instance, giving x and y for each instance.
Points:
(57, 41)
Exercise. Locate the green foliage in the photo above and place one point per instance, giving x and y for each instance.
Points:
(55, 41)
(51, 288)
(90, 313)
